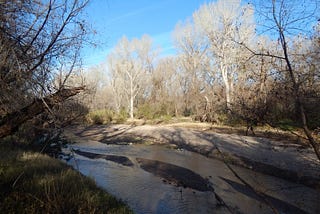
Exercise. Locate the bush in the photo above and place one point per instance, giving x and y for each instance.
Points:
(145, 111)
(166, 118)
(107, 116)
(149, 112)
(287, 125)
(97, 119)
(100, 117)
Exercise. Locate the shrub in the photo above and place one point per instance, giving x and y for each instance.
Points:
(100, 117)
(145, 112)
(166, 118)
(122, 116)
(287, 125)
(97, 119)
(149, 112)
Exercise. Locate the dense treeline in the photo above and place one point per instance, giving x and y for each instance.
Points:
(224, 70)
(222, 66)
(234, 63)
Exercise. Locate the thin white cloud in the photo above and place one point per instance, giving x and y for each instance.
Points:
(133, 13)
(165, 42)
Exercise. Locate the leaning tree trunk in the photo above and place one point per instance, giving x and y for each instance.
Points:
(314, 144)
(11, 122)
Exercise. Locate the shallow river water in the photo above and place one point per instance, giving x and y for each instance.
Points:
(146, 192)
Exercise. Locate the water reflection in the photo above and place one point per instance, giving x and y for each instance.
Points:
(146, 192)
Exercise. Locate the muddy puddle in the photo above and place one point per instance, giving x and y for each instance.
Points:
(156, 179)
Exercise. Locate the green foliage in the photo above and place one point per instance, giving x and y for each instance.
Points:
(97, 119)
(145, 111)
(166, 118)
(151, 112)
(287, 125)
(100, 117)
(107, 116)
(34, 183)
(122, 116)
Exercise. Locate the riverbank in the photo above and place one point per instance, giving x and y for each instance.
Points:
(285, 158)
(31, 182)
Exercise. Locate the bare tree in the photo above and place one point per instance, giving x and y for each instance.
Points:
(117, 84)
(194, 63)
(39, 41)
(164, 91)
(288, 19)
(130, 65)
(254, 86)
(222, 23)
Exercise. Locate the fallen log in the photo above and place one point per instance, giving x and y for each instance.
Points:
(11, 122)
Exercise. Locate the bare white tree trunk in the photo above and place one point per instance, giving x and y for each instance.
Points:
(226, 82)
(131, 99)
(131, 63)
(223, 22)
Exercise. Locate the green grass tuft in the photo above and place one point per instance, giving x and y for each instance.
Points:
(287, 125)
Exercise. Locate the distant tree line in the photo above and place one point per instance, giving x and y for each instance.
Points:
(235, 63)
(225, 69)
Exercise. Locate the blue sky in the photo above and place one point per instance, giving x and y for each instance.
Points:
(114, 18)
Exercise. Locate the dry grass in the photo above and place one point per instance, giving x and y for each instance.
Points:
(35, 183)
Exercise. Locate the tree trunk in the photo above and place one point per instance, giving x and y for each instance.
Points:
(225, 78)
(131, 97)
(296, 90)
(131, 107)
(11, 122)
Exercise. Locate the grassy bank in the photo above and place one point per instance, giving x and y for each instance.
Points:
(31, 182)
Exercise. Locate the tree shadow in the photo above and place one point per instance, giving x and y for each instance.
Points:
(123, 160)
(108, 134)
(180, 176)
(281, 206)
(251, 156)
